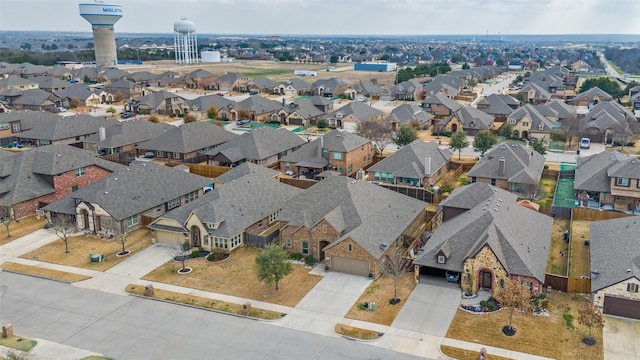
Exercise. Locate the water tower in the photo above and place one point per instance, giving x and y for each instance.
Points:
(102, 18)
(185, 41)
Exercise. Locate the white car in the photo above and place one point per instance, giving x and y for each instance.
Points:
(585, 143)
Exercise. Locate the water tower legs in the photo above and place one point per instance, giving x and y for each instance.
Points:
(105, 46)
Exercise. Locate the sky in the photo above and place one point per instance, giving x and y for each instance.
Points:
(348, 17)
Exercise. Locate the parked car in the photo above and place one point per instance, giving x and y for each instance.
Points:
(58, 109)
(585, 143)
(362, 99)
(452, 276)
(242, 122)
(149, 155)
(127, 115)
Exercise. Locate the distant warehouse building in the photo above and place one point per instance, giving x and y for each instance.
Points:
(374, 66)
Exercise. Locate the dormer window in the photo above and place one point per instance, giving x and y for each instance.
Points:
(442, 259)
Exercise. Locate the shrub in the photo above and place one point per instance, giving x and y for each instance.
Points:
(491, 306)
(310, 260)
(195, 254)
(153, 119)
(322, 123)
(546, 167)
(296, 256)
(568, 320)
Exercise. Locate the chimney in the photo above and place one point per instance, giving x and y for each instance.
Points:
(427, 165)
(284, 102)
(501, 167)
(320, 145)
(102, 133)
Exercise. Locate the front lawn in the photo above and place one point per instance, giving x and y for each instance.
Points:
(380, 292)
(21, 228)
(557, 336)
(42, 272)
(580, 263)
(80, 246)
(18, 343)
(237, 276)
(557, 261)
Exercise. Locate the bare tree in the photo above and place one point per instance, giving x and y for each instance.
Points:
(531, 191)
(378, 132)
(6, 216)
(513, 296)
(569, 128)
(395, 263)
(64, 225)
(122, 239)
(179, 252)
(590, 316)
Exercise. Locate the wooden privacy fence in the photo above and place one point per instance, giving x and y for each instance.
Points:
(299, 183)
(567, 284)
(210, 171)
(550, 173)
(595, 215)
(146, 220)
(414, 192)
(466, 166)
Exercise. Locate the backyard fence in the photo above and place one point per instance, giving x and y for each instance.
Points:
(567, 284)
(466, 166)
(210, 171)
(414, 192)
(549, 173)
(596, 215)
(299, 183)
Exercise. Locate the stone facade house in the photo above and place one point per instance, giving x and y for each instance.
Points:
(488, 238)
(470, 119)
(609, 123)
(350, 224)
(200, 79)
(260, 108)
(229, 82)
(440, 106)
(329, 87)
(527, 122)
(408, 113)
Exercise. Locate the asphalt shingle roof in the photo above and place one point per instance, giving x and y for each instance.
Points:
(257, 105)
(259, 144)
(614, 251)
(129, 132)
(245, 169)
(410, 160)
(408, 112)
(591, 171)
(359, 110)
(56, 128)
(522, 165)
(188, 138)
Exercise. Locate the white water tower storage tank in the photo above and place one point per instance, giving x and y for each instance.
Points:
(185, 41)
(210, 56)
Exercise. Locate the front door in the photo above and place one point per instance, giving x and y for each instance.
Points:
(485, 280)
(323, 244)
(195, 236)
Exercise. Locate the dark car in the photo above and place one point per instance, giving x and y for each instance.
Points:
(127, 115)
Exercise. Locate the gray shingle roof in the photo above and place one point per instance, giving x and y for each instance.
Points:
(540, 92)
(408, 112)
(23, 176)
(259, 144)
(203, 103)
(336, 140)
(188, 138)
(468, 197)
(154, 99)
(257, 105)
(329, 85)
(14, 80)
(48, 82)
(139, 187)
(237, 205)
(518, 236)
(35, 97)
(200, 74)
(472, 118)
(556, 108)
(129, 132)
(304, 107)
(629, 168)
(298, 84)
(56, 128)
(245, 169)
(591, 171)
(614, 249)
(441, 99)
(522, 165)
(82, 92)
(264, 83)
(410, 160)
(498, 104)
(609, 115)
(369, 214)
(359, 110)
(534, 116)
(591, 94)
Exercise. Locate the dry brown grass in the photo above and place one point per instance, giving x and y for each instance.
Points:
(21, 228)
(548, 186)
(18, 343)
(237, 276)
(462, 354)
(203, 302)
(80, 246)
(381, 291)
(47, 273)
(580, 263)
(356, 333)
(557, 264)
(540, 335)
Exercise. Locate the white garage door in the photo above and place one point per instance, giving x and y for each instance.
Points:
(350, 266)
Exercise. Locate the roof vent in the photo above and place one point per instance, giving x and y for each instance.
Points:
(484, 208)
(628, 270)
(115, 179)
(127, 169)
(495, 209)
(106, 192)
(58, 155)
(383, 246)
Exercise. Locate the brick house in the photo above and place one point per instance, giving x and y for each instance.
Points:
(260, 108)
(200, 79)
(488, 238)
(440, 106)
(124, 136)
(350, 224)
(40, 176)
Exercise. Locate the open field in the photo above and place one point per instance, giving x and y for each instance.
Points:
(80, 246)
(21, 228)
(557, 336)
(380, 292)
(579, 262)
(557, 262)
(237, 276)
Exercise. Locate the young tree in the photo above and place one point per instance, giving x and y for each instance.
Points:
(395, 264)
(212, 113)
(179, 253)
(154, 119)
(189, 118)
(76, 102)
(590, 316)
(406, 135)
(111, 111)
(64, 225)
(483, 141)
(506, 130)
(6, 216)
(569, 128)
(459, 141)
(122, 239)
(378, 132)
(322, 123)
(512, 296)
(244, 114)
(273, 265)
(540, 145)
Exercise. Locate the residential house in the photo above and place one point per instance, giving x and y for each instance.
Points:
(60, 72)
(230, 82)
(160, 103)
(332, 87)
(124, 136)
(81, 95)
(186, 142)
(14, 123)
(527, 122)
(143, 78)
(614, 248)
(470, 119)
(263, 146)
(260, 85)
(301, 112)
(49, 83)
(409, 90)
(260, 108)
(609, 123)
(36, 99)
(70, 130)
(407, 114)
(369, 89)
(349, 116)
(201, 105)
(293, 87)
(125, 89)
(244, 169)
(489, 239)
(31, 179)
(440, 106)
(114, 74)
(591, 97)
(86, 75)
(241, 212)
(417, 164)
(448, 85)
(18, 83)
(509, 166)
(498, 105)
(608, 179)
(200, 79)
(349, 224)
(338, 151)
(558, 111)
(580, 66)
(535, 94)
(117, 203)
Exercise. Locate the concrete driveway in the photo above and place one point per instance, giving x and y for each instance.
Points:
(620, 338)
(326, 304)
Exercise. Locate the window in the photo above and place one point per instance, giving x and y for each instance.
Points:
(74, 188)
(325, 151)
(190, 196)
(174, 203)
(501, 283)
(511, 121)
(632, 287)
(340, 169)
(4, 126)
(337, 156)
(525, 123)
(16, 127)
(80, 172)
(160, 153)
(473, 179)
(349, 248)
(288, 243)
(441, 259)
(158, 208)
(349, 168)
(273, 216)
(77, 138)
(176, 155)
(305, 247)
(132, 220)
(260, 223)
(206, 239)
(622, 181)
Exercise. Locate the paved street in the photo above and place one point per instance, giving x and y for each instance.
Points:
(125, 327)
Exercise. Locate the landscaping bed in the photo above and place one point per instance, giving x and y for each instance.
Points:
(80, 246)
(21, 228)
(203, 302)
(357, 333)
(380, 292)
(237, 276)
(556, 334)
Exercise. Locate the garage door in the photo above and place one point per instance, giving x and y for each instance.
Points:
(622, 307)
(350, 266)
